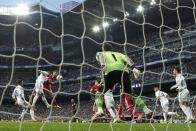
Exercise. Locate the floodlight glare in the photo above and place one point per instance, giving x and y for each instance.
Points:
(153, 2)
(105, 24)
(21, 10)
(96, 29)
(140, 8)
(115, 19)
(126, 14)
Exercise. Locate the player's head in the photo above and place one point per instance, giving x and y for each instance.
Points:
(156, 88)
(72, 100)
(176, 71)
(54, 73)
(19, 82)
(107, 47)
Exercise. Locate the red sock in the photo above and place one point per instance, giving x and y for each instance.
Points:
(129, 104)
(130, 108)
(54, 103)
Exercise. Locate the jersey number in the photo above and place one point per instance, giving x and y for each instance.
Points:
(114, 57)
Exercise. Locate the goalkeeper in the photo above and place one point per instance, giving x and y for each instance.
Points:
(115, 70)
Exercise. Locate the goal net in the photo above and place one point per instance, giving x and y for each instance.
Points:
(158, 35)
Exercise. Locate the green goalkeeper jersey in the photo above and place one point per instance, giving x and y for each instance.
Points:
(113, 61)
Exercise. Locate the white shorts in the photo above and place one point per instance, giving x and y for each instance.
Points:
(109, 100)
(22, 103)
(165, 106)
(38, 88)
(184, 95)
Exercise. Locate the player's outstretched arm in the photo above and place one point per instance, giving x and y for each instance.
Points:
(176, 85)
(129, 61)
(100, 58)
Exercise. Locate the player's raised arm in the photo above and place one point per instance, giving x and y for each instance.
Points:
(175, 86)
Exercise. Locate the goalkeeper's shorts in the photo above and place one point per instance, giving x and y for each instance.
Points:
(115, 77)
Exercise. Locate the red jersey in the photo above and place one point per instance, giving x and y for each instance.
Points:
(48, 83)
(94, 88)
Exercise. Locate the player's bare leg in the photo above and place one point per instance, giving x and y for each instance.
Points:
(35, 100)
(45, 101)
(51, 96)
(187, 111)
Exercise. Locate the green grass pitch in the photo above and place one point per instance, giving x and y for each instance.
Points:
(37, 126)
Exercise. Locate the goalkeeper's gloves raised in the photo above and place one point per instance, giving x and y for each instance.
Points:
(136, 72)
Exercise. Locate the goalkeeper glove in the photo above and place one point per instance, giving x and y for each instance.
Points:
(136, 73)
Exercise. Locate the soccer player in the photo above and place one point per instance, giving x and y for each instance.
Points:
(115, 70)
(110, 105)
(163, 97)
(119, 110)
(139, 102)
(97, 90)
(74, 106)
(18, 96)
(183, 94)
(39, 85)
(47, 87)
(108, 98)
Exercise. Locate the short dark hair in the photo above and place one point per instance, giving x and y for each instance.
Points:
(107, 47)
(19, 82)
(177, 69)
(157, 87)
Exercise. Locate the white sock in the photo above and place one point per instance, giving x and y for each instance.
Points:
(165, 116)
(24, 111)
(112, 113)
(99, 110)
(184, 109)
(32, 114)
(45, 101)
(171, 113)
(35, 99)
(146, 110)
(189, 112)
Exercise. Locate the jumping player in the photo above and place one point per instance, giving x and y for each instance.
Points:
(39, 85)
(47, 87)
(183, 94)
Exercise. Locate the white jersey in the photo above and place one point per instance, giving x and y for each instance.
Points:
(162, 96)
(180, 83)
(18, 94)
(41, 78)
(39, 82)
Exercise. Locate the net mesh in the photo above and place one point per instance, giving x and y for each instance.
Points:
(157, 38)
